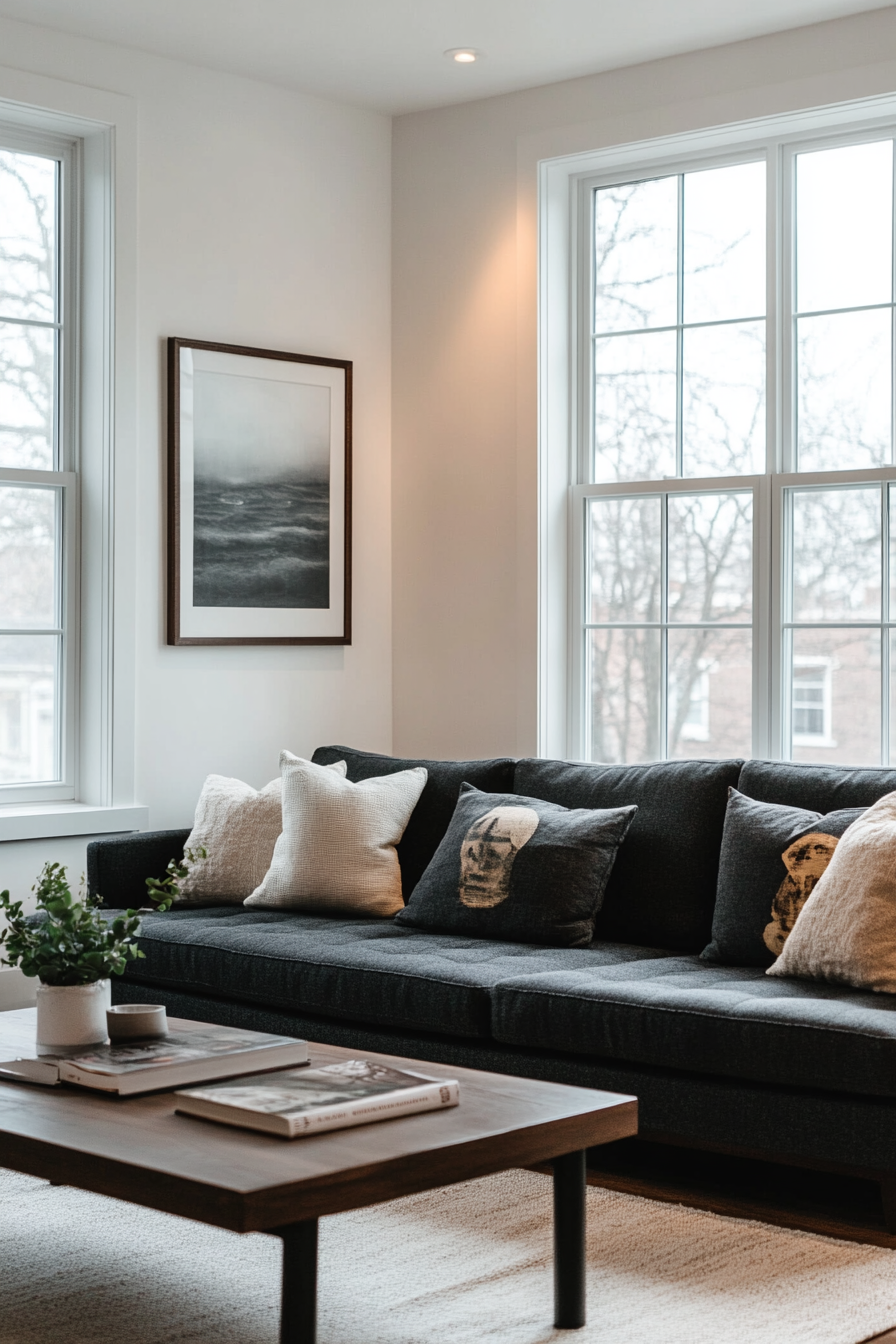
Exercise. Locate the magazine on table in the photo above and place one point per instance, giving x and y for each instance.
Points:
(299, 1102)
(189, 1055)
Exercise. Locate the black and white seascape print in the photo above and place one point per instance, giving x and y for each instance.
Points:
(261, 492)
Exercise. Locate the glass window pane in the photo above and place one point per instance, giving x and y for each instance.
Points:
(634, 407)
(711, 557)
(27, 236)
(27, 385)
(27, 557)
(710, 693)
(836, 554)
(28, 708)
(625, 567)
(843, 375)
(724, 243)
(844, 211)
(624, 668)
(835, 696)
(635, 255)
(723, 425)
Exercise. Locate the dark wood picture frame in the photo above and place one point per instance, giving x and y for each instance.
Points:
(183, 618)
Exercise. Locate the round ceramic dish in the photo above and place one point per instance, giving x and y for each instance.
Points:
(127, 1021)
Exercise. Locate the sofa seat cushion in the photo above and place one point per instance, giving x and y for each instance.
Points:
(731, 1021)
(366, 970)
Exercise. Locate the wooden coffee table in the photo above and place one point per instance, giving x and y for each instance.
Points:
(137, 1149)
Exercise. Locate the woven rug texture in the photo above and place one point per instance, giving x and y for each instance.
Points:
(467, 1265)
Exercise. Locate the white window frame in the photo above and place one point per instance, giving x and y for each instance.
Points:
(97, 130)
(64, 480)
(565, 187)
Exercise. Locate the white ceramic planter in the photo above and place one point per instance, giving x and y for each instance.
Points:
(69, 1015)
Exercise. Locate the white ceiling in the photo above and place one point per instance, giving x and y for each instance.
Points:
(387, 54)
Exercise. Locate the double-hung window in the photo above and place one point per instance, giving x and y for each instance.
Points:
(38, 533)
(732, 520)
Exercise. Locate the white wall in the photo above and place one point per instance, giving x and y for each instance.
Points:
(464, 353)
(263, 218)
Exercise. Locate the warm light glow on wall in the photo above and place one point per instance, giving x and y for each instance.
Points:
(464, 55)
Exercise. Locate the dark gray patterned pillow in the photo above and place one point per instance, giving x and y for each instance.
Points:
(519, 869)
(772, 856)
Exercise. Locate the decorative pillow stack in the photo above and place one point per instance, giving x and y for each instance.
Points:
(238, 827)
(846, 931)
(519, 869)
(772, 857)
(336, 853)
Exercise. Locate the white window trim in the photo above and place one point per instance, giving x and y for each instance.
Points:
(824, 738)
(560, 244)
(103, 125)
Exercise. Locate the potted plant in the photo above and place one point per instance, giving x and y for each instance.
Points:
(73, 950)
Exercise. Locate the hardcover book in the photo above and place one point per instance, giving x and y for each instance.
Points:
(182, 1057)
(297, 1102)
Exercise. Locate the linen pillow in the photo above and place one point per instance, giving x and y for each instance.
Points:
(519, 869)
(772, 856)
(435, 809)
(846, 931)
(337, 849)
(238, 827)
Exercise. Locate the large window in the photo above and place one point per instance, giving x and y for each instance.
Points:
(38, 587)
(733, 528)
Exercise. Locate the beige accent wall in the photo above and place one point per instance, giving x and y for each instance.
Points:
(464, 351)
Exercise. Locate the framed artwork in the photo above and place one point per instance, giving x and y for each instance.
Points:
(259, 496)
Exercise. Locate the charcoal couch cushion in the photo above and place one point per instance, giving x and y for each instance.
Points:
(363, 970)
(430, 818)
(727, 1021)
(820, 788)
(518, 868)
(117, 867)
(772, 856)
(663, 885)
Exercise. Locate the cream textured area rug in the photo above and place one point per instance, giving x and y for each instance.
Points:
(468, 1265)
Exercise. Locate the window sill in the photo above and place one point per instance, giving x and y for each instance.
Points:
(40, 821)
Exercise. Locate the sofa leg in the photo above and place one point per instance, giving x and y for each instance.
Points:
(888, 1199)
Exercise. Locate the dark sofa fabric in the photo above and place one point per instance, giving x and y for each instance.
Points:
(819, 788)
(369, 970)
(662, 888)
(432, 815)
(730, 1021)
(117, 868)
(788, 1124)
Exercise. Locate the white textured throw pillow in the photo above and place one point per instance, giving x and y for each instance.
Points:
(238, 827)
(337, 850)
(846, 931)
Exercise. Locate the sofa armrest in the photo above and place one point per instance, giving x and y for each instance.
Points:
(117, 868)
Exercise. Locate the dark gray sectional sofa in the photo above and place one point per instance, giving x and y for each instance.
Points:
(721, 1057)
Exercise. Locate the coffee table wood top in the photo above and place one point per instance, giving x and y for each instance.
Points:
(138, 1149)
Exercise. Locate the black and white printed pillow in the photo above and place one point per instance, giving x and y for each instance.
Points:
(772, 856)
(519, 869)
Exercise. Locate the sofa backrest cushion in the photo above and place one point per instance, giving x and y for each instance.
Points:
(117, 868)
(662, 888)
(819, 788)
(432, 815)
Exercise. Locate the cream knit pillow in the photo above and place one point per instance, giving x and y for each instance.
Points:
(337, 850)
(238, 827)
(846, 931)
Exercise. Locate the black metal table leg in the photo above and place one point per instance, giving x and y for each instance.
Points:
(569, 1241)
(298, 1310)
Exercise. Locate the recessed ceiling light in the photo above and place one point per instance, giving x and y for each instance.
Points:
(464, 55)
